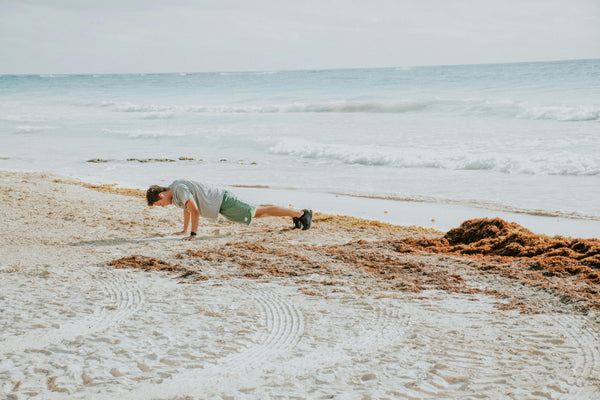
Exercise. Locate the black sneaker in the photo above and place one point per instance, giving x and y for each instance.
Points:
(306, 219)
(296, 222)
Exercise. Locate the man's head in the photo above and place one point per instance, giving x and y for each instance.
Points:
(159, 196)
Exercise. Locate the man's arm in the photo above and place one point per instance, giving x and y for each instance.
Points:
(186, 222)
(194, 215)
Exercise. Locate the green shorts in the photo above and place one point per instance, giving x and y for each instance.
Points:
(236, 210)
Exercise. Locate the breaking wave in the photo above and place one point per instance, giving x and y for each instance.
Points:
(139, 133)
(498, 108)
(372, 155)
(28, 129)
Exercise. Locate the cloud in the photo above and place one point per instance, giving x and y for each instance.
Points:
(70, 36)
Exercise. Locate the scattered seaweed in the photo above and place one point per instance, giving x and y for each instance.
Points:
(453, 262)
(98, 160)
(378, 260)
(143, 160)
(111, 188)
(360, 225)
(106, 188)
(145, 263)
(260, 260)
(151, 263)
(148, 160)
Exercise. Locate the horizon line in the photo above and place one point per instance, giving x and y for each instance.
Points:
(298, 70)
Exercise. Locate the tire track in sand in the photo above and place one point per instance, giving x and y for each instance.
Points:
(389, 325)
(122, 297)
(125, 298)
(376, 326)
(587, 356)
(544, 356)
(284, 326)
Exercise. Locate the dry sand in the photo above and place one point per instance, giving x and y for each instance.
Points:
(97, 300)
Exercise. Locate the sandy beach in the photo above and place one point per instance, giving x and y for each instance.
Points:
(98, 301)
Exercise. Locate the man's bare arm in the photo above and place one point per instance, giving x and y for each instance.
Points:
(194, 216)
(186, 222)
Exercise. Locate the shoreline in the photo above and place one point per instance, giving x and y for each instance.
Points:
(100, 298)
(439, 216)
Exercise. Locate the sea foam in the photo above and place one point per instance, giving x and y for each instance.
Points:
(373, 155)
(140, 133)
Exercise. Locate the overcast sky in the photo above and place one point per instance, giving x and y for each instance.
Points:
(103, 36)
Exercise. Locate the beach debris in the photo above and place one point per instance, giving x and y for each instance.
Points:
(143, 367)
(146, 263)
(87, 380)
(145, 160)
(257, 260)
(51, 383)
(98, 160)
(106, 188)
(151, 263)
(368, 377)
(115, 372)
(111, 188)
(148, 160)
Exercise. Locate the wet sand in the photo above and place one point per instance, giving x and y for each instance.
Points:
(100, 301)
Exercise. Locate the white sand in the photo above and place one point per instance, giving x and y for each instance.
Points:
(73, 327)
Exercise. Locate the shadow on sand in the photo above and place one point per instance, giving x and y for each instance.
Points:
(118, 241)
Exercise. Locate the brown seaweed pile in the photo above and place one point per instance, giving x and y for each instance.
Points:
(570, 267)
(495, 237)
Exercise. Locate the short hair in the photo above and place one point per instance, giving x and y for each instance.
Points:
(152, 194)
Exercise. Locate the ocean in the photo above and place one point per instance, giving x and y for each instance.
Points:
(522, 139)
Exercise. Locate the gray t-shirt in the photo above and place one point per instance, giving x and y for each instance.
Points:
(208, 198)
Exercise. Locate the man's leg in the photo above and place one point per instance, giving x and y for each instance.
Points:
(270, 210)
